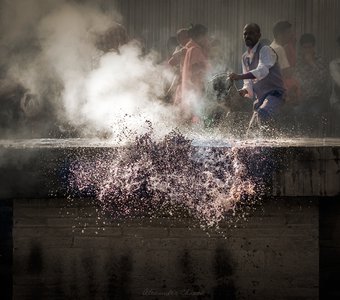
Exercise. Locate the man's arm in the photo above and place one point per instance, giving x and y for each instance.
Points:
(247, 90)
(176, 57)
(266, 60)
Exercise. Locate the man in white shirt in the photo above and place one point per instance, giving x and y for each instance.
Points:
(282, 35)
(261, 76)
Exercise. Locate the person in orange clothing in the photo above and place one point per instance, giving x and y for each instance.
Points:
(195, 68)
(176, 61)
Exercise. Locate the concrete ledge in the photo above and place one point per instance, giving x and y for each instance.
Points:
(300, 167)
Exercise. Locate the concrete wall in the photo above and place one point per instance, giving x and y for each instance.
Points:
(6, 248)
(63, 251)
(35, 169)
(307, 172)
(329, 221)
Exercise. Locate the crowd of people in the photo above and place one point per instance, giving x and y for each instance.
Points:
(288, 84)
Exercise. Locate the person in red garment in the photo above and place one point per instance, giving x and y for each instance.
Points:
(176, 61)
(194, 71)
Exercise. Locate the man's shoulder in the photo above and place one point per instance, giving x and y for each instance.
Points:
(275, 45)
(279, 50)
(269, 50)
(270, 47)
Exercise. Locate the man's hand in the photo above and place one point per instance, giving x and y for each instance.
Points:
(234, 76)
(243, 92)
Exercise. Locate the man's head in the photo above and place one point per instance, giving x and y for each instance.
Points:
(199, 33)
(251, 34)
(183, 36)
(282, 32)
(112, 38)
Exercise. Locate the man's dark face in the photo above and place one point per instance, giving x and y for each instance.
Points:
(251, 36)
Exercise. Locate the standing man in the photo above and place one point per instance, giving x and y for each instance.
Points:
(262, 78)
(282, 32)
(283, 35)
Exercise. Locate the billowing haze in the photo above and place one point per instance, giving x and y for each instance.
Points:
(51, 50)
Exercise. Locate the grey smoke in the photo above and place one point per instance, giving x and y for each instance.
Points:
(50, 48)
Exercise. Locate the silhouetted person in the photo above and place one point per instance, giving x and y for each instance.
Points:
(112, 38)
(334, 68)
(171, 45)
(109, 41)
(283, 34)
(313, 75)
(217, 56)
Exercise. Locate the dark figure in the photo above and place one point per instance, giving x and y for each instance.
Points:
(171, 45)
(112, 39)
(315, 82)
(283, 35)
(334, 68)
(217, 57)
(18, 108)
(262, 79)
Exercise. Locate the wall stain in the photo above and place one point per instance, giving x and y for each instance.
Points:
(119, 277)
(35, 267)
(35, 260)
(190, 279)
(89, 268)
(223, 270)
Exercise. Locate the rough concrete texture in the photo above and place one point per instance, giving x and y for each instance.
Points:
(308, 172)
(62, 250)
(6, 248)
(329, 223)
(305, 167)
